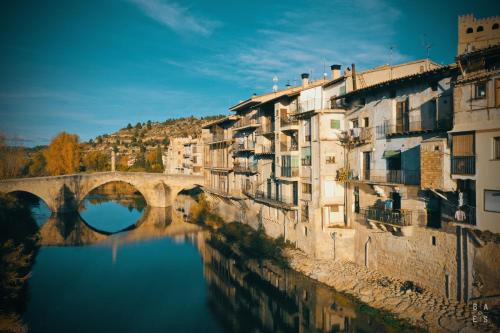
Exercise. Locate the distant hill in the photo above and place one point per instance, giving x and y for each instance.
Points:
(149, 135)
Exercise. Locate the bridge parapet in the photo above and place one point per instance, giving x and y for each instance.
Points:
(65, 193)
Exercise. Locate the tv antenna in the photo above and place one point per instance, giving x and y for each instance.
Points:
(427, 45)
(275, 85)
(324, 69)
(391, 52)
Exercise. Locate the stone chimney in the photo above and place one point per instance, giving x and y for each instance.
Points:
(305, 79)
(354, 83)
(335, 71)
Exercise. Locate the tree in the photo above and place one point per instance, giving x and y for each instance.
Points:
(138, 126)
(37, 164)
(129, 126)
(96, 161)
(63, 154)
(148, 126)
(12, 160)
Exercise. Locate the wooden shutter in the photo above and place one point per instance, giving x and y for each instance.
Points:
(497, 92)
(463, 144)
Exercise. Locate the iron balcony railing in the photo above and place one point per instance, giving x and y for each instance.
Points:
(449, 213)
(357, 135)
(284, 147)
(306, 161)
(280, 199)
(216, 137)
(288, 120)
(400, 217)
(265, 148)
(412, 126)
(463, 165)
(244, 168)
(245, 122)
(246, 146)
(265, 129)
(407, 177)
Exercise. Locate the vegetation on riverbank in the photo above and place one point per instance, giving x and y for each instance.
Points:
(19, 244)
(252, 243)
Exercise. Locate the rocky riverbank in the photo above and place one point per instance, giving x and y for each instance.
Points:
(422, 309)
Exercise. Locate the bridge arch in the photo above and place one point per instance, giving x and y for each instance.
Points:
(86, 190)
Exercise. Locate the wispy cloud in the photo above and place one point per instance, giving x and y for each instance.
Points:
(308, 40)
(176, 16)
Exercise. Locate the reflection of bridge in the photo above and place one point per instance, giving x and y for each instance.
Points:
(71, 229)
(65, 193)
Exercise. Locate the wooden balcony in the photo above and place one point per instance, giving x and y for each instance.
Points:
(389, 129)
(463, 165)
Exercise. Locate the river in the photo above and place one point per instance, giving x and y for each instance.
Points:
(120, 266)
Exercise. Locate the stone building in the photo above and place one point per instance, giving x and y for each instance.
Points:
(192, 163)
(174, 156)
(475, 34)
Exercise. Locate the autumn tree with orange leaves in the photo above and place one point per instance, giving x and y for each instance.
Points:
(63, 155)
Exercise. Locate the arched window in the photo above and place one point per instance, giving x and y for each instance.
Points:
(495, 26)
(469, 30)
(480, 28)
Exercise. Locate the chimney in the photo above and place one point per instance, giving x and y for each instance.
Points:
(335, 71)
(305, 79)
(353, 77)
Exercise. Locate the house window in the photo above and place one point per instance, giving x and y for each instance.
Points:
(335, 124)
(480, 90)
(492, 201)
(330, 160)
(306, 188)
(433, 240)
(480, 28)
(366, 122)
(355, 123)
(495, 26)
(496, 148)
(469, 30)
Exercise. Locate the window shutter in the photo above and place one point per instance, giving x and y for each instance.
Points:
(463, 145)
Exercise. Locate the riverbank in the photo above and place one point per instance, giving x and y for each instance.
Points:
(422, 309)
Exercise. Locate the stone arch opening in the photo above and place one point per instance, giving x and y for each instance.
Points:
(40, 208)
(113, 206)
(495, 26)
(480, 28)
(469, 30)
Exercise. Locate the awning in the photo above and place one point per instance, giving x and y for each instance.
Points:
(391, 153)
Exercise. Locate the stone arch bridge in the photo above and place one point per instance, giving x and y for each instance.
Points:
(65, 193)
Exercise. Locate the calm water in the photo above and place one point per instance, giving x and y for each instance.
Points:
(116, 268)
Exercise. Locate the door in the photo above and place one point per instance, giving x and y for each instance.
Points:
(497, 92)
(356, 199)
(295, 193)
(402, 117)
(366, 165)
(396, 200)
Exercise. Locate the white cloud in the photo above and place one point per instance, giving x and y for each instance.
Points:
(307, 39)
(176, 17)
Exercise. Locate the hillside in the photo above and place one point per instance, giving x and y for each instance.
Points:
(149, 134)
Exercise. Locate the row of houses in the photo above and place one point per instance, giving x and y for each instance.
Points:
(408, 150)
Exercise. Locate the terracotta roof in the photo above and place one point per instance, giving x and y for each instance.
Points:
(219, 121)
(400, 80)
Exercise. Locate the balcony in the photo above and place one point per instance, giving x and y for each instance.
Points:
(406, 177)
(393, 220)
(280, 201)
(306, 161)
(245, 123)
(244, 168)
(356, 136)
(265, 129)
(218, 137)
(288, 121)
(284, 147)
(449, 213)
(239, 147)
(412, 127)
(265, 149)
(463, 165)
(289, 172)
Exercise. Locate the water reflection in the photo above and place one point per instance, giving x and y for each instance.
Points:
(248, 296)
(113, 207)
(164, 274)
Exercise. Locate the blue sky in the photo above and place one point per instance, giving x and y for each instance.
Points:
(90, 67)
